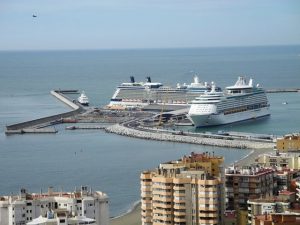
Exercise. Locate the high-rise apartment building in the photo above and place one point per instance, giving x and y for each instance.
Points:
(247, 183)
(242, 184)
(185, 191)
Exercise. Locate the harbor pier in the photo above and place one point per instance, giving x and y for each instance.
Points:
(41, 125)
(280, 90)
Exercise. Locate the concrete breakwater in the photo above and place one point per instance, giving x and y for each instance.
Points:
(39, 124)
(161, 136)
(280, 90)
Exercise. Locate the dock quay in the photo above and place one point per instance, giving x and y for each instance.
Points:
(32, 131)
(39, 125)
(87, 127)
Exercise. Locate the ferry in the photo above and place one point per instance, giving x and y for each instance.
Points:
(83, 99)
(140, 94)
(239, 102)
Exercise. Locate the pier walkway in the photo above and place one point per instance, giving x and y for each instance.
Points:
(280, 90)
(40, 125)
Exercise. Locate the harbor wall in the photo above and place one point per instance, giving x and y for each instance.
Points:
(43, 120)
(49, 120)
(64, 99)
(160, 136)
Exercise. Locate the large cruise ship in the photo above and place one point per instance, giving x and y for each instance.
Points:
(140, 94)
(239, 102)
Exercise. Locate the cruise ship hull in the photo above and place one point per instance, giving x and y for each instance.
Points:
(221, 119)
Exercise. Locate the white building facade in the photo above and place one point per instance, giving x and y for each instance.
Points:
(21, 209)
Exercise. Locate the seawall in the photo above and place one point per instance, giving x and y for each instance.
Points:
(160, 136)
(49, 120)
(59, 95)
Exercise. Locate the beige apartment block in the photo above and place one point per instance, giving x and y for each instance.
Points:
(186, 191)
(283, 160)
(249, 182)
(290, 142)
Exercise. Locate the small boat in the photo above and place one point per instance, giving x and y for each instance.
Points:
(83, 99)
(284, 103)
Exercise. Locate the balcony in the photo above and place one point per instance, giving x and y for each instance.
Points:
(146, 195)
(179, 220)
(161, 192)
(179, 200)
(211, 215)
(162, 198)
(164, 218)
(147, 213)
(162, 205)
(178, 194)
(143, 183)
(162, 211)
(179, 213)
(208, 182)
(178, 188)
(146, 188)
(208, 194)
(177, 206)
(208, 221)
(146, 176)
(146, 206)
(162, 186)
(209, 208)
(147, 219)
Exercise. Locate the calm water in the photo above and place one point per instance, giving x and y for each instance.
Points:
(113, 163)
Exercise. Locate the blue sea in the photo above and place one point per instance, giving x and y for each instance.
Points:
(112, 163)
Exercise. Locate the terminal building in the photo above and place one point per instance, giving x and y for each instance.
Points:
(186, 191)
(80, 206)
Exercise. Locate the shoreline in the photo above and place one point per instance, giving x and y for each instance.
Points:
(130, 210)
(133, 215)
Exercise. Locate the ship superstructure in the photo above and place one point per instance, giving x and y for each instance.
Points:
(83, 99)
(239, 102)
(139, 94)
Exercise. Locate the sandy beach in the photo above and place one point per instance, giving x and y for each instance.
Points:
(134, 217)
(131, 218)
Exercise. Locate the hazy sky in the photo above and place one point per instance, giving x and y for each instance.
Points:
(106, 24)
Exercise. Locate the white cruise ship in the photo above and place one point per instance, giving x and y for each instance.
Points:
(83, 99)
(239, 102)
(139, 94)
